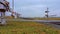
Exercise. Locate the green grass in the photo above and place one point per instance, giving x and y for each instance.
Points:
(47, 18)
(14, 27)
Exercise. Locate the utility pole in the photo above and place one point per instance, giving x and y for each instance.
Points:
(12, 7)
(13, 4)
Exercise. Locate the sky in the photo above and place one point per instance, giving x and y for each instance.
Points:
(36, 8)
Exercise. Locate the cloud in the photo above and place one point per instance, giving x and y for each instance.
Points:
(36, 10)
(36, 7)
(33, 7)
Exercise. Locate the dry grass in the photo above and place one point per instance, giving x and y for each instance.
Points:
(14, 27)
(47, 18)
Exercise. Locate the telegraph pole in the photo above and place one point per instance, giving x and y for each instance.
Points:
(13, 4)
(12, 7)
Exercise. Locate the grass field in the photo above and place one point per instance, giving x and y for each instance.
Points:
(47, 18)
(38, 18)
(14, 27)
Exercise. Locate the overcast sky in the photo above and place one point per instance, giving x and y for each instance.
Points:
(36, 8)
